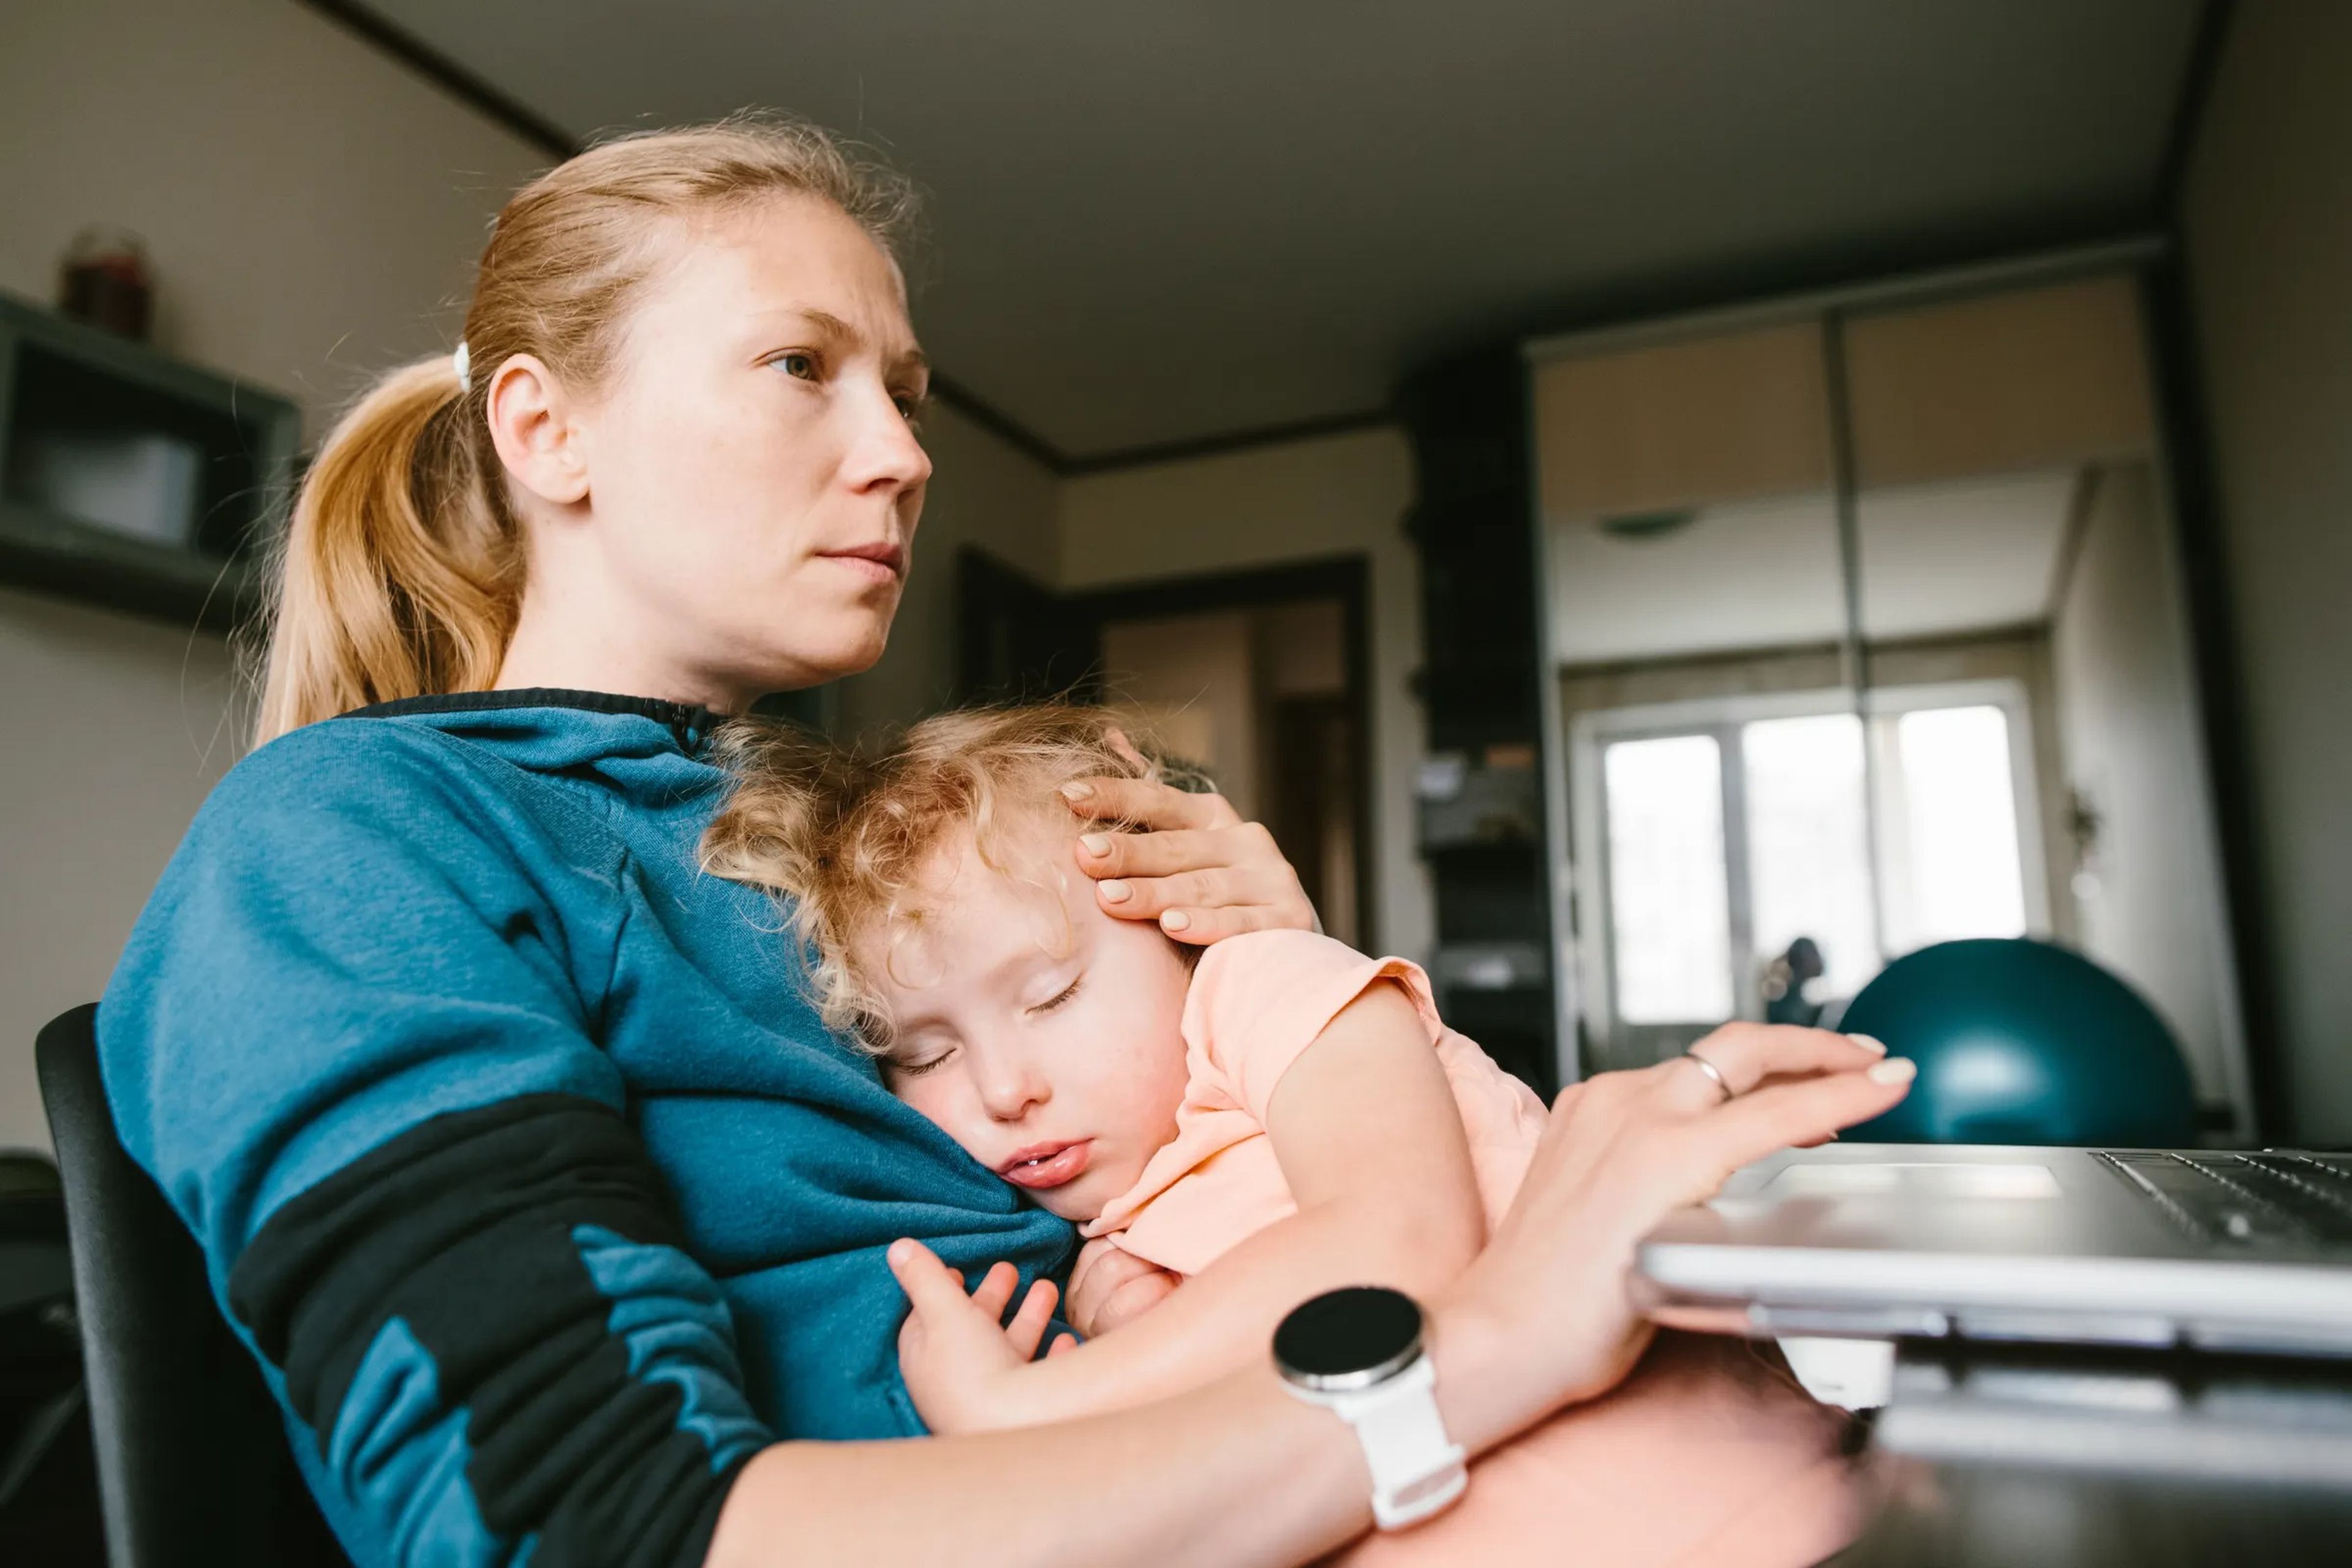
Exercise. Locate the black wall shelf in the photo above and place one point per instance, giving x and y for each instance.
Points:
(130, 479)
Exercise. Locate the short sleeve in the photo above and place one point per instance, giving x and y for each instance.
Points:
(1260, 999)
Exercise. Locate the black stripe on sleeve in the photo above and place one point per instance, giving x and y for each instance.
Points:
(462, 1228)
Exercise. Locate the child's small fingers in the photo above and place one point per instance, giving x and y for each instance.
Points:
(1061, 1342)
(1029, 1324)
(929, 1285)
(996, 1287)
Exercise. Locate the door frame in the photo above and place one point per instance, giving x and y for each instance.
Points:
(1346, 578)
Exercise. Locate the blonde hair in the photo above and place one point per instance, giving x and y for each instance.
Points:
(846, 836)
(402, 572)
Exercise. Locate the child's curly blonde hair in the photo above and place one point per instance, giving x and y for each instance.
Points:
(845, 834)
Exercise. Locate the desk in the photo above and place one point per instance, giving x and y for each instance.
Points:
(2027, 1457)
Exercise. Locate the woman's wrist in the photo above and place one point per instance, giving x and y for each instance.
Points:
(1480, 1392)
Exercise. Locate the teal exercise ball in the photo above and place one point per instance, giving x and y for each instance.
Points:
(2023, 1042)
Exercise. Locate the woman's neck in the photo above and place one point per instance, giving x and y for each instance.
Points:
(579, 651)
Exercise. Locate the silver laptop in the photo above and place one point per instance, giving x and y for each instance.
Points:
(2135, 1247)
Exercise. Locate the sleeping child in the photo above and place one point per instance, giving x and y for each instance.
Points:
(1267, 1119)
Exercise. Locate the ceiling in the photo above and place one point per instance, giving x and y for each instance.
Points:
(1936, 560)
(1164, 224)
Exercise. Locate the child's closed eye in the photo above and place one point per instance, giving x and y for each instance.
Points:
(1058, 998)
(918, 1068)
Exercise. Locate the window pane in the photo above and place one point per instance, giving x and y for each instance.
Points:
(1960, 822)
(1669, 908)
(1808, 871)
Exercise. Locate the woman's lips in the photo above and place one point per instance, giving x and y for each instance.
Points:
(1042, 1165)
(876, 563)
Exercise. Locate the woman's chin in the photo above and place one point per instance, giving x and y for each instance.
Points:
(852, 649)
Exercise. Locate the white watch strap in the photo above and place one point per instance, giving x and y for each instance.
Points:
(1416, 1468)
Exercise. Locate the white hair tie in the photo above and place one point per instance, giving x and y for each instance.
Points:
(464, 364)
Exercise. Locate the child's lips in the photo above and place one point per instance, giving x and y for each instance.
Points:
(1042, 1165)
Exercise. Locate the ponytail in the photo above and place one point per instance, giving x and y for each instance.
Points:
(402, 572)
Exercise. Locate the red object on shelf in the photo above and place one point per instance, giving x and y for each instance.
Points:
(105, 281)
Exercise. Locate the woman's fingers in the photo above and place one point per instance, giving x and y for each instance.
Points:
(1152, 806)
(1201, 927)
(1201, 884)
(1781, 1116)
(1029, 1324)
(1165, 853)
(1747, 1055)
(1062, 1344)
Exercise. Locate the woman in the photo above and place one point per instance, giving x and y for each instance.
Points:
(527, 1174)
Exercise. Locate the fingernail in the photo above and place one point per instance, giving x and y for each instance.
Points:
(902, 1250)
(1894, 1069)
(1174, 920)
(1096, 843)
(1077, 791)
(1114, 891)
(1868, 1043)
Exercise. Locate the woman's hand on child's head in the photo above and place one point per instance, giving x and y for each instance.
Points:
(1195, 867)
(1549, 1298)
(1110, 1286)
(960, 1357)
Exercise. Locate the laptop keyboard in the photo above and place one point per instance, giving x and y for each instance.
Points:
(2272, 1198)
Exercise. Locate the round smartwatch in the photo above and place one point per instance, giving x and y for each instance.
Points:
(1357, 1351)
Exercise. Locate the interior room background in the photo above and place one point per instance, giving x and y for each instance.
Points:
(314, 205)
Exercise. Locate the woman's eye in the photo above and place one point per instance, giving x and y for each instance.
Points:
(800, 367)
(1052, 1002)
(910, 406)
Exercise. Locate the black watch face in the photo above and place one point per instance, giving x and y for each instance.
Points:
(1348, 1339)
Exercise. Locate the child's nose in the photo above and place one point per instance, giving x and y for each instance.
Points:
(1010, 1089)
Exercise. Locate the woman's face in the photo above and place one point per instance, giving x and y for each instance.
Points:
(1041, 1035)
(754, 476)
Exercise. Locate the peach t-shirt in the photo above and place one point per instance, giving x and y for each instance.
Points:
(1708, 1455)
(1256, 1003)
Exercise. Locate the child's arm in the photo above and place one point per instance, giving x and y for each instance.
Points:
(1371, 1141)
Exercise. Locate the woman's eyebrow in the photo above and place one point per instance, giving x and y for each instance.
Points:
(906, 361)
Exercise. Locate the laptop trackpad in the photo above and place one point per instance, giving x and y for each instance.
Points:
(1943, 1179)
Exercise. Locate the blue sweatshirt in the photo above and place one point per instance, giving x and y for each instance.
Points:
(518, 1157)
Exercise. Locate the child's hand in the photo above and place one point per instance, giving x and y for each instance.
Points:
(961, 1360)
(1109, 1285)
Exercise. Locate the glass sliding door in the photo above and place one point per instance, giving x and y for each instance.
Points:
(1867, 633)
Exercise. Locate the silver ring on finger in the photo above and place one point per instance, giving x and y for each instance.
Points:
(1713, 1071)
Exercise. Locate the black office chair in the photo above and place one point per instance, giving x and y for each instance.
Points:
(193, 1463)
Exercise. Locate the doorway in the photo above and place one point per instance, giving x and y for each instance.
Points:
(1259, 681)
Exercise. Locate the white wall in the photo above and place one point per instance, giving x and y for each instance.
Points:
(310, 208)
(1337, 495)
(116, 729)
(2127, 706)
(2269, 229)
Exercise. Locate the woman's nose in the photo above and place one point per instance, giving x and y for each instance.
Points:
(883, 451)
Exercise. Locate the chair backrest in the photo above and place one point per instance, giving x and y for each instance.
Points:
(193, 1461)
(2024, 1042)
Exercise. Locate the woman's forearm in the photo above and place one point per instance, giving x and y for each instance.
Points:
(1237, 1472)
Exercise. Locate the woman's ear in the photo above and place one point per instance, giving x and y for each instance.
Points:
(531, 425)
